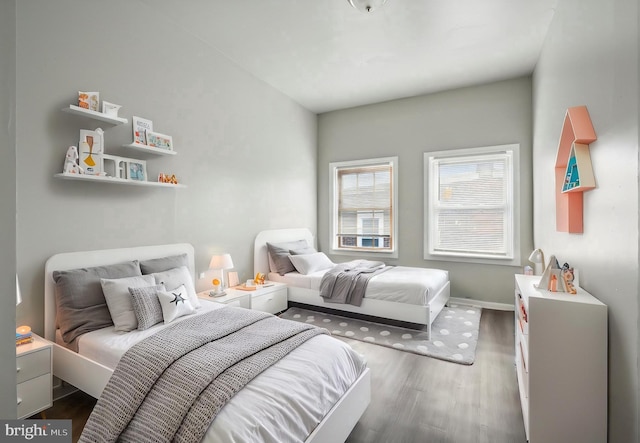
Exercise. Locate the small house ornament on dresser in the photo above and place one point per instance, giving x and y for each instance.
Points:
(556, 279)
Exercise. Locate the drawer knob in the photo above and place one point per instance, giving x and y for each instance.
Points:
(19, 400)
(18, 369)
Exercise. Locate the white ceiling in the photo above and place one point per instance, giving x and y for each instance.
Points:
(326, 55)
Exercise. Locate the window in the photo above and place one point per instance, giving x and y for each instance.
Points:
(470, 205)
(363, 213)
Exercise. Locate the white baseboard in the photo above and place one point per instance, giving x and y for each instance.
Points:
(481, 304)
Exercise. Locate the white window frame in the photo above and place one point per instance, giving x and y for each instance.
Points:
(333, 205)
(511, 256)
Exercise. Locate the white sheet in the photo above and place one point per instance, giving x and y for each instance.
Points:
(400, 284)
(283, 404)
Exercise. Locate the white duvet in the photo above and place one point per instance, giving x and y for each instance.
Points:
(400, 284)
(283, 404)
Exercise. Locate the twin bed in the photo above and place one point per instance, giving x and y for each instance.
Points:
(315, 393)
(406, 294)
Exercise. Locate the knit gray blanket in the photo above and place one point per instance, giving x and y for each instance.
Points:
(347, 282)
(170, 386)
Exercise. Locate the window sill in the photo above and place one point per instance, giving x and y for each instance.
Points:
(366, 254)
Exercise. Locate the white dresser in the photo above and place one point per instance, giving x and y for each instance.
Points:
(561, 363)
(33, 372)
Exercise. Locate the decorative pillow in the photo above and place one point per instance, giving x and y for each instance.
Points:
(308, 263)
(279, 255)
(176, 277)
(303, 251)
(175, 303)
(163, 264)
(80, 303)
(116, 292)
(146, 305)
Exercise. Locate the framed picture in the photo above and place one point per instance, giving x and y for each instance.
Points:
(137, 170)
(158, 140)
(140, 128)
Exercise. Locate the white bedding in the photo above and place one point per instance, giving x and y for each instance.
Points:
(400, 284)
(282, 404)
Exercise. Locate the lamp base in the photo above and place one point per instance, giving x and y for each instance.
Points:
(217, 294)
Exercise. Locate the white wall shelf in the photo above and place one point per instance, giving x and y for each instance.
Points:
(115, 180)
(150, 149)
(77, 110)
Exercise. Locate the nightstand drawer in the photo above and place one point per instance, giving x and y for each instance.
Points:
(32, 365)
(34, 395)
(272, 302)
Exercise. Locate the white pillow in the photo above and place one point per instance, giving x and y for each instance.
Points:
(174, 278)
(308, 263)
(116, 293)
(175, 303)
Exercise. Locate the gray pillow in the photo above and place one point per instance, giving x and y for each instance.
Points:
(163, 264)
(116, 292)
(279, 255)
(146, 305)
(80, 302)
(303, 251)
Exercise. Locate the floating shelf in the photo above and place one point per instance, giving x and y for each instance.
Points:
(574, 172)
(116, 181)
(77, 110)
(150, 149)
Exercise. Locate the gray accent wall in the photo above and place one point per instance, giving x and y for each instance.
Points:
(590, 57)
(485, 115)
(246, 152)
(8, 213)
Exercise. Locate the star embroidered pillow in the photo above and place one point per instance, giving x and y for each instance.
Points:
(175, 303)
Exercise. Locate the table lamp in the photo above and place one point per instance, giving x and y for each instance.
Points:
(220, 262)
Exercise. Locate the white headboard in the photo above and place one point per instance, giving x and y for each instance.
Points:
(260, 255)
(85, 259)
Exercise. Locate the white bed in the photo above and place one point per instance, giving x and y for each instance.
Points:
(281, 404)
(399, 305)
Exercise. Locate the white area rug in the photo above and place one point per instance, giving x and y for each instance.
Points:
(454, 333)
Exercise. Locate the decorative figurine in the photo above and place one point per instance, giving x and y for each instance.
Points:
(71, 162)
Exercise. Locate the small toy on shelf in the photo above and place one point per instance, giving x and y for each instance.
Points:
(259, 279)
(166, 178)
(71, 165)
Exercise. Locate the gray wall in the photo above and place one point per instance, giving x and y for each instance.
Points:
(590, 58)
(246, 152)
(8, 213)
(485, 115)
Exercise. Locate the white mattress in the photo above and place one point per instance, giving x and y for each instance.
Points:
(400, 284)
(283, 404)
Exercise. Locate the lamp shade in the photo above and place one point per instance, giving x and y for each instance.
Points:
(366, 5)
(537, 257)
(18, 294)
(221, 261)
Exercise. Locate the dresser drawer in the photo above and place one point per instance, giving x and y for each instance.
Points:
(32, 365)
(271, 302)
(34, 395)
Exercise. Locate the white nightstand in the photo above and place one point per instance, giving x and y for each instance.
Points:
(241, 299)
(33, 368)
(270, 297)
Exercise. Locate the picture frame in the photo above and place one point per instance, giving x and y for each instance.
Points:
(158, 140)
(140, 127)
(137, 170)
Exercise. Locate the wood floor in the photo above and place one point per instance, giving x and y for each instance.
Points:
(419, 399)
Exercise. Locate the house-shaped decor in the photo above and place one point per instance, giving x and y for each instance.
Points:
(574, 173)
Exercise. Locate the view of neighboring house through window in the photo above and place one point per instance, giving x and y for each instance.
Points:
(363, 211)
(470, 205)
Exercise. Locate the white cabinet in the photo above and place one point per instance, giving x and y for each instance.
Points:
(271, 297)
(33, 374)
(561, 363)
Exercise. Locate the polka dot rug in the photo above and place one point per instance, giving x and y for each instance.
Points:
(454, 333)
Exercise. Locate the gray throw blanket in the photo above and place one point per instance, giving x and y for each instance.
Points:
(170, 386)
(347, 282)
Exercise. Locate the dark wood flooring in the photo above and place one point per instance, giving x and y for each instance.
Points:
(418, 399)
